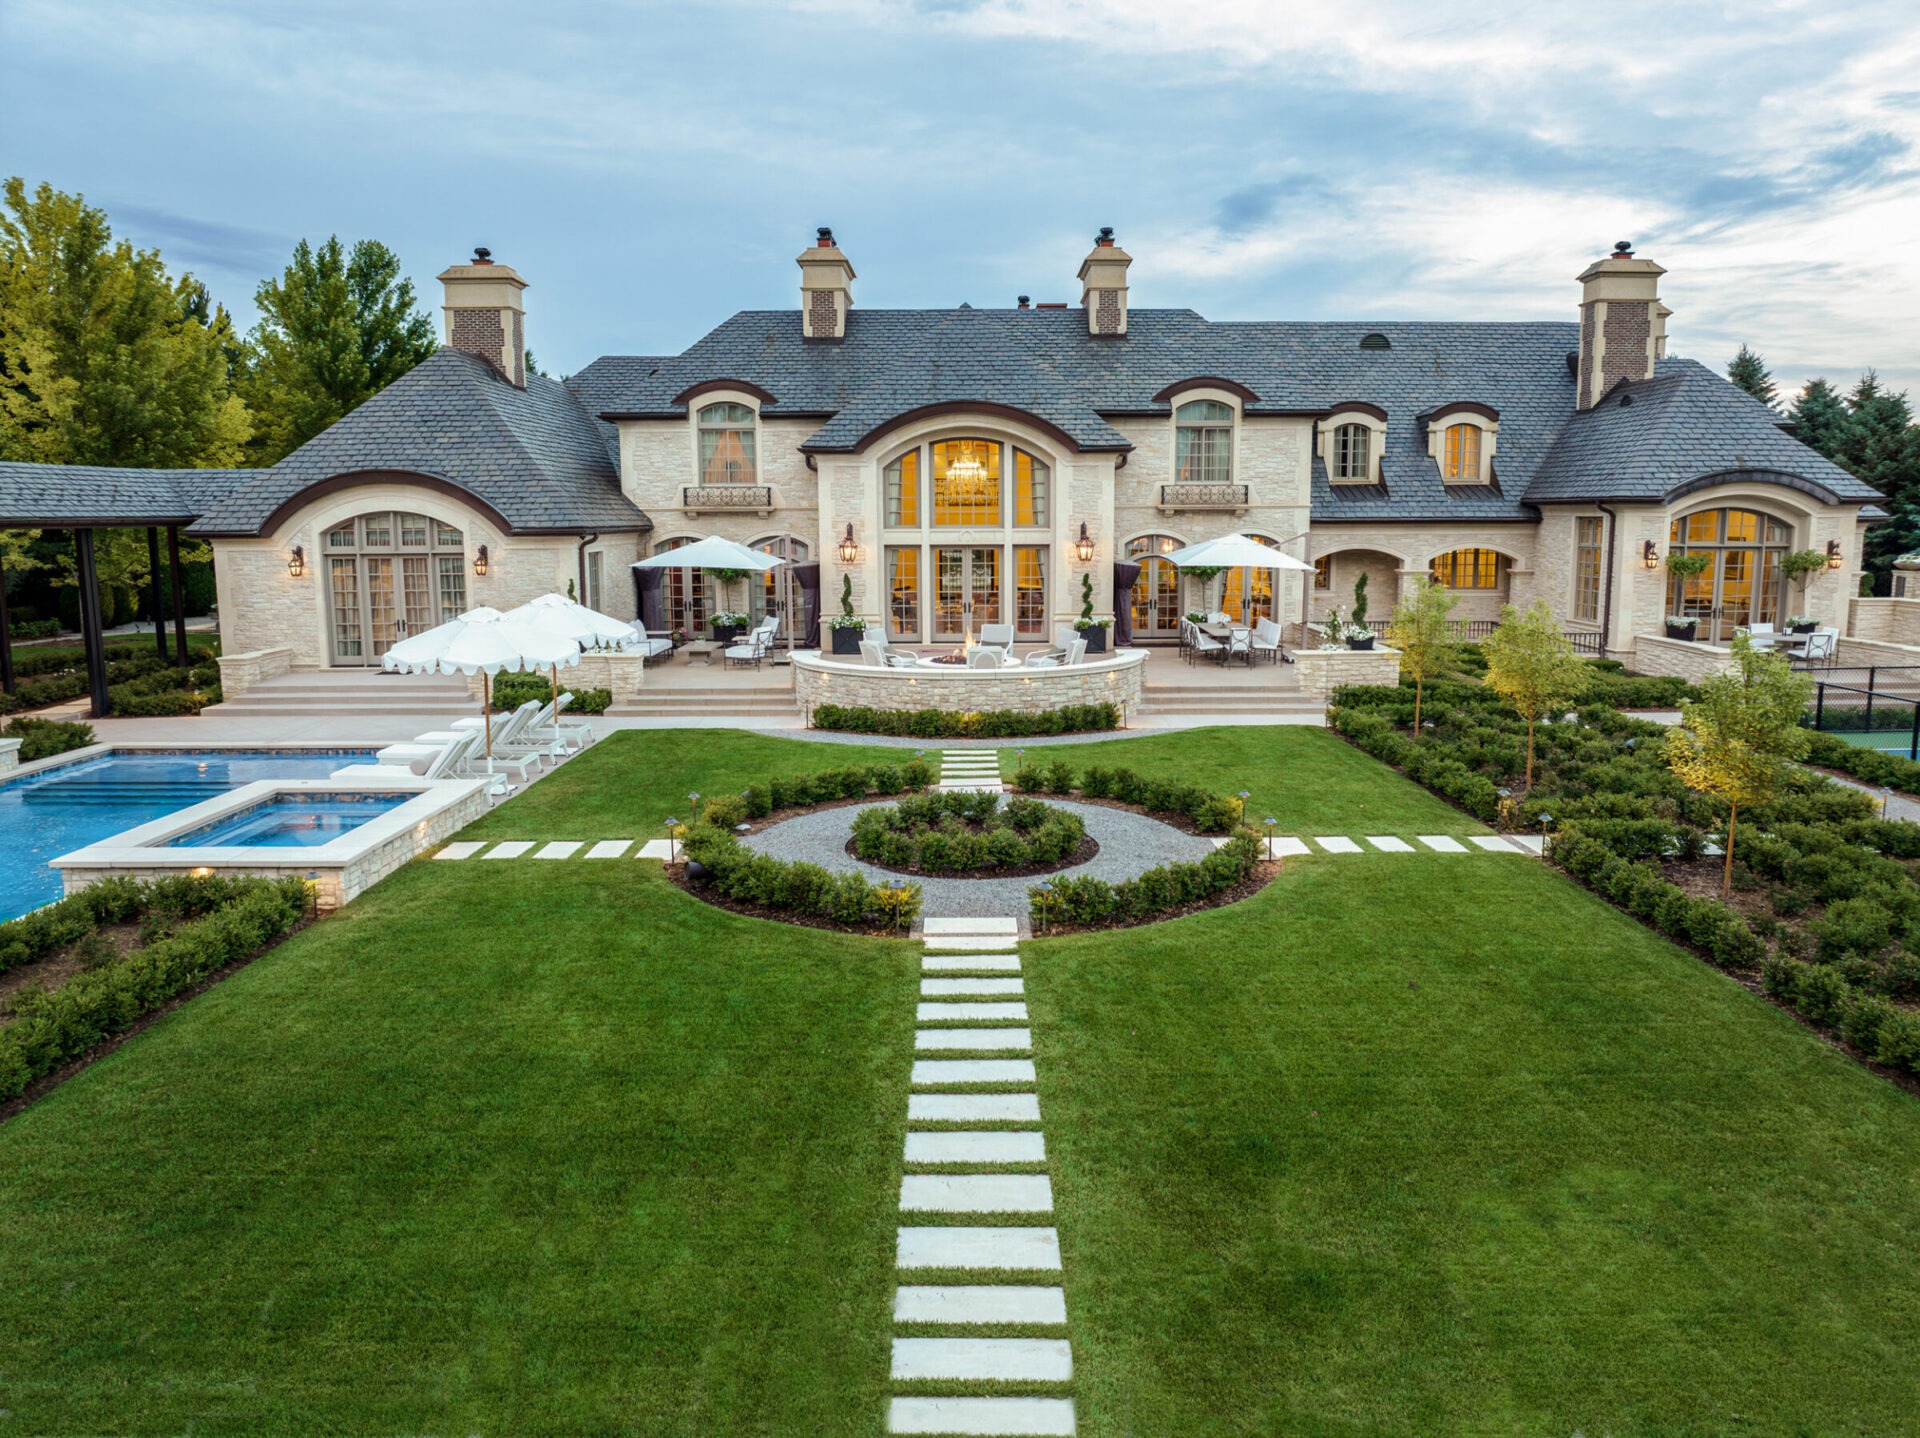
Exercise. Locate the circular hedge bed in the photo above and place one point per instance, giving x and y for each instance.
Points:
(970, 835)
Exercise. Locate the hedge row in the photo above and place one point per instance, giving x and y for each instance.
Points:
(796, 791)
(1208, 812)
(937, 832)
(43, 738)
(981, 724)
(1820, 993)
(51, 1027)
(1704, 924)
(1867, 765)
(798, 888)
(510, 691)
(137, 685)
(1083, 901)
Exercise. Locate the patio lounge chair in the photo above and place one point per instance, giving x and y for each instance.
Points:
(1240, 642)
(1818, 647)
(998, 637)
(651, 646)
(757, 644)
(877, 652)
(426, 748)
(987, 656)
(541, 730)
(445, 764)
(1075, 652)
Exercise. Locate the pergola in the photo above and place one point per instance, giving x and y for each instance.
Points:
(85, 499)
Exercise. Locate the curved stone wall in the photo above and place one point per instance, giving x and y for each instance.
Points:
(1116, 679)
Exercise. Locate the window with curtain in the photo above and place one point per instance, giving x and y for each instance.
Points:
(1469, 569)
(903, 593)
(1462, 453)
(1203, 443)
(1029, 489)
(1323, 572)
(1586, 568)
(903, 491)
(1353, 452)
(726, 444)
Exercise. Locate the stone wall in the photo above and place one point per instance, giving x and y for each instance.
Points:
(240, 672)
(623, 674)
(1874, 652)
(1887, 621)
(1691, 661)
(1321, 671)
(1118, 680)
(9, 755)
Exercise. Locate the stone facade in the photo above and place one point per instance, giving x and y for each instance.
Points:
(1321, 671)
(9, 755)
(1686, 659)
(1118, 680)
(241, 672)
(1885, 621)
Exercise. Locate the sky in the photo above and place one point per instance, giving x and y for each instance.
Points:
(650, 169)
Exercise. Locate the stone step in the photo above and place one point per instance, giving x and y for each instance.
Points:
(940, 988)
(1286, 847)
(1336, 844)
(976, 1193)
(1035, 1248)
(1443, 844)
(947, 963)
(973, 1108)
(942, 1071)
(944, 945)
(958, 927)
(1002, 1360)
(979, 1303)
(1494, 843)
(1387, 844)
(986, 1417)
(610, 849)
(1013, 1146)
(973, 1040)
(970, 1011)
(510, 849)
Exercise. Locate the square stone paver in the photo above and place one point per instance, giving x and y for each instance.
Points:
(939, 1071)
(973, 1108)
(979, 1303)
(511, 849)
(1387, 844)
(986, 1417)
(949, 944)
(973, 928)
(1441, 844)
(1334, 844)
(1012, 1146)
(978, 1040)
(655, 849)
(947, 988)
(961, 962)
(1493, 843)
(1006, 1360)
(610, 849)
(1285, 846)
(976, 1193)
(465, 849)
(975, 1011)
(560, 849)
(1036, 1248)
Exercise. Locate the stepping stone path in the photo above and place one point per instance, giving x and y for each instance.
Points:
(970, 771)
(969, 992)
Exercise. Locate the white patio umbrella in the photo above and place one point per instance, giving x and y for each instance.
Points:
(482, 641)
(1234, 551)
(569, 618)
(713, 552)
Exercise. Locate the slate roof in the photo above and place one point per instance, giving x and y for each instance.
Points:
(534, 456)
(58, 496)
(1653, 439)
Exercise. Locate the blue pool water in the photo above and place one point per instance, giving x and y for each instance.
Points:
(290, 821)
(67, 808)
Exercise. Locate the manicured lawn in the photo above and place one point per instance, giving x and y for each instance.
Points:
(518, 1147)
(1436, 1145)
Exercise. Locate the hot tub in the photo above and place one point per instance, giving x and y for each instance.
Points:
(290, 821)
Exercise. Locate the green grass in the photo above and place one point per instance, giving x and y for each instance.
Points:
(1443, 1145)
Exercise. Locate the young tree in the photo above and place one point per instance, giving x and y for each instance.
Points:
(1422, 630)
(1749, 371)
(337, 327)
(1532, 666)
(1736, 739)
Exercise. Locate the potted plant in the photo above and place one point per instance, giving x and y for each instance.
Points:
(1684, 567)
(1333, 630)
(1802, 564)
(847, 626)
(1356, 633)
(728, 626)
(1093, 630)
(1358, 636)
(1799, 624)
(1682, 626)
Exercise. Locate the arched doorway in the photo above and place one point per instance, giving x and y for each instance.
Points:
(1156, 593)
(1742, 583)
(778, 592)
(388, 575)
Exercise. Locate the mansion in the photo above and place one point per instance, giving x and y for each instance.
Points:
(966, 466)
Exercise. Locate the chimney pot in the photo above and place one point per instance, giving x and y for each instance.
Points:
(1623, 247)
(1025, 301)
(482, 255)
(1105, 237)
(824, 238)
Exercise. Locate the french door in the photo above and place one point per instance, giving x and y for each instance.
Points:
(966, 590)
(375, 599)
(778, 592)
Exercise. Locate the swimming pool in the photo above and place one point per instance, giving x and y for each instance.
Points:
(290, 821)
(58, 810)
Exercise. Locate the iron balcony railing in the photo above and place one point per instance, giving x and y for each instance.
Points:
(697, 497)
(1203, 496)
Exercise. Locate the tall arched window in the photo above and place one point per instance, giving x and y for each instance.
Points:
(1742, 584)
(1353, 452)
(1203, 442)
(390, 575)
(726, 445)
(1461, 456)
(1156, 593)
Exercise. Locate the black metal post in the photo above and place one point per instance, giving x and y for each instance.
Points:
(1819, 708)
(6, 641)
(1913, 739)
(1869, 715)
(179, 596)
(90, 634)
(153, 593)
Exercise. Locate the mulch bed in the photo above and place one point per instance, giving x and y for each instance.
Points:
(707, 894)
(1084, 853)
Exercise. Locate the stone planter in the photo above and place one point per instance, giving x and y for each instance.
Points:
(727, 633)
(1801, 628)
(1096, 637)
(1360, 644)
(846, 640)
(1682, 631)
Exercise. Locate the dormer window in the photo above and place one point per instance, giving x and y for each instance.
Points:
(1462, 461)
(1203, 442)
(1461, 438)
(1351, 440)
(726, 444)
(1353, 453)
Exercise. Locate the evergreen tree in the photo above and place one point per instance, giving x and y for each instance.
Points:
(1749, 371)
(1818, 415)
(336, 328)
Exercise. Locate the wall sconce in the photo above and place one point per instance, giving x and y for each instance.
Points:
(1083, 546)
(480, 561)
(297, 562)
(1649, 558)
(1833, 554)
(849, 551)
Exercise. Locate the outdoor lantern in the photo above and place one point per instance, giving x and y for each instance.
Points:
(1833, 554)
(1083, 546)
(849, 551)
(1649, 558)
(672, 824)
(480, 560)
(297, 562)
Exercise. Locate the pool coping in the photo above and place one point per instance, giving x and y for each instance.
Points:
(106, 748)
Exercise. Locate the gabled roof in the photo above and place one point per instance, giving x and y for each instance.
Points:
(534, 456)
(78, 496)
(1657, 438)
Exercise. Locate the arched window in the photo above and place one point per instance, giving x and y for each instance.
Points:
(1353, 452)
(389, 575)
(1742, 584)
(1203, 442)
(1461, 454)
(726, 444)
(903, 491)
(1469, 569)
(1249, 592)
(1156, 593)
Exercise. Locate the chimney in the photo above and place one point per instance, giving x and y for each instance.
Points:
(826, 289)
(1103, 286)
(484, 316)
(1623, 325)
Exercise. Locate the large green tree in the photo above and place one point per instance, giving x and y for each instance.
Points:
(1532, 665)
(1749, 371)
(336, 327)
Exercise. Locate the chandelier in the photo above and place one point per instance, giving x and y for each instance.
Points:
(966, 475)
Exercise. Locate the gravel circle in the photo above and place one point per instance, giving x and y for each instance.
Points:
(1130, 844)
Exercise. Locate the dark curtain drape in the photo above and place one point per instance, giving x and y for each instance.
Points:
(807, 576)
(1123, 577)
(651, 586)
